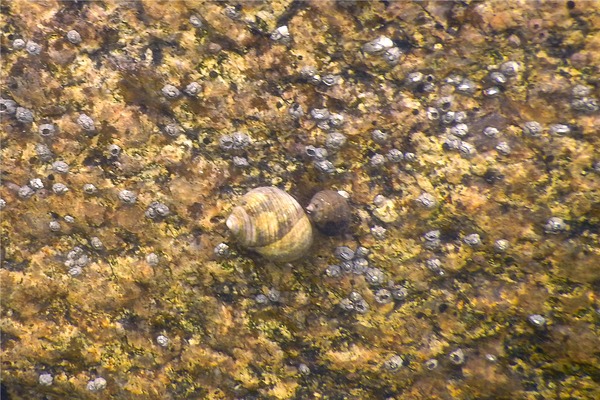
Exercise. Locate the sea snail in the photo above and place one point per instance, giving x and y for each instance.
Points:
(272, 223)
(330, 212)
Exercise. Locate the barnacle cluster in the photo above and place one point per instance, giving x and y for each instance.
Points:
(462, 134)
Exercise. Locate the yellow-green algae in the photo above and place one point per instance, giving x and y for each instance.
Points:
(222, 344)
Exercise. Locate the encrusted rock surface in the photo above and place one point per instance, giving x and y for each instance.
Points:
(119, 279)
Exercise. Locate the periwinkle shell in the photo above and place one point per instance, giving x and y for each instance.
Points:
(272, 223)
(330, 212)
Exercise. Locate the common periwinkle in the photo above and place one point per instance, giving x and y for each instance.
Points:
(330, 212)
(272, 223)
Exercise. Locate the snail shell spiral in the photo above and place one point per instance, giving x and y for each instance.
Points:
(272, 223)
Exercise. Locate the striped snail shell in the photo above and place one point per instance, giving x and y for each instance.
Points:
(330, 212)
(272, 223)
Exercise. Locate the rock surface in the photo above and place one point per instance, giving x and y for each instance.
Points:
(150, 298)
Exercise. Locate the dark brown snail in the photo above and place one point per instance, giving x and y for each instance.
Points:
(330, 212)
(272, 223)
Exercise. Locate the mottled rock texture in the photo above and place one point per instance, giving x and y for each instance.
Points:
(125, 297)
